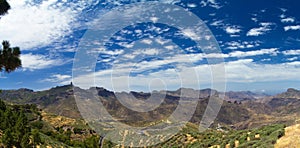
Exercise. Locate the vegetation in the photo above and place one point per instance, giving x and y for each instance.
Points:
(9, 56)
(4, 7)
(15, 125)
(24, 126)
(265, 136)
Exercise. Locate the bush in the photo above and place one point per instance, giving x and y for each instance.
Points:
(37, 124)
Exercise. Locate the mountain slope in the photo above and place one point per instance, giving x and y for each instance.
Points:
(290, 93)
(291, 138)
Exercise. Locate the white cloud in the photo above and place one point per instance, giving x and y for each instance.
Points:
(233, 29)
(240, 71)
(292, 59)
(170, 47)
(125, 44)
(146, 51)
(263, 10)
(31, 25)
(266, 24)
(291, 52)
(119, 78)
(35, 62)
(217, 23)
(129, 56)
(295, 27)
(254, 19)
(241, 45)
(268, 59)
(161, 40)
(151, 51)
(184, 59)
(256, 31)
(271, 51)
(146, 41)
(104, 51)
(170, 1)
(249, 71)
(284, 18)
(240, 54)
(59, 78)
(121, 2)
(288, 20)
(211, 3)
(191, 34)
(192, 5)
(283, 9)
(154, 19)
(294, 63)
(265, 27)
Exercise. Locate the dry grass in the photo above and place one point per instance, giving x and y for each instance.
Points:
(57, 121)
(291, 139)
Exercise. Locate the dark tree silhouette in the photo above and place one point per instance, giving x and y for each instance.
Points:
(4, 7)
(9, 57)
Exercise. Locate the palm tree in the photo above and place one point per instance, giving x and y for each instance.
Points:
(9, 57)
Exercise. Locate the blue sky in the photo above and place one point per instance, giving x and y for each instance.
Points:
(259, 42)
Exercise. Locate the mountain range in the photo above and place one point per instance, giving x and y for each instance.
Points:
(240, 110)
